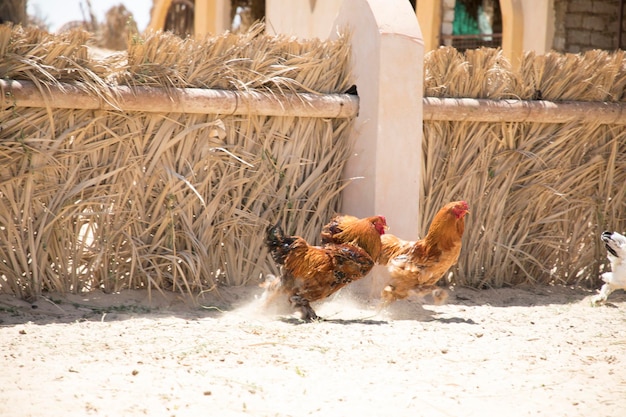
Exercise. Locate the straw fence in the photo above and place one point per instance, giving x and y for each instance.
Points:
(540, 192)
(113, 199)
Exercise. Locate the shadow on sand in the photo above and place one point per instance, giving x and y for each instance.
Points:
(347, 308)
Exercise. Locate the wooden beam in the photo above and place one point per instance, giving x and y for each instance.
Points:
(179, 100)
(539, 111)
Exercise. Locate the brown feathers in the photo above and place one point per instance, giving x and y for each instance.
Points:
(417, 266)
(365, 232)
(311, 273)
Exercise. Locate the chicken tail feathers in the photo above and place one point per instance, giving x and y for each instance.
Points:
(278, 243)
(614, 243)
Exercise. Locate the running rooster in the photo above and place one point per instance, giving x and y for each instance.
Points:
(311, 273)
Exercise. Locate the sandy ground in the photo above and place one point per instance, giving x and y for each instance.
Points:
(508, 352)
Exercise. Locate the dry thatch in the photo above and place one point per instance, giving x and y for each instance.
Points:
(107, 199)
(112, 200)
(540, 193)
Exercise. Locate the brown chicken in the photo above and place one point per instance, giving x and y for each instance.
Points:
(417, 266)
(365, 232)
(311, 273)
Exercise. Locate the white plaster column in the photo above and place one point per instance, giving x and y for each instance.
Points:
(388, 57)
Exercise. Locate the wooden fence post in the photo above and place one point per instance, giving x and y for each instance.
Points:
(388, 61)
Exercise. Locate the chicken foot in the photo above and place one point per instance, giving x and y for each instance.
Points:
(392, 293)
(605, 291)
(308, 314)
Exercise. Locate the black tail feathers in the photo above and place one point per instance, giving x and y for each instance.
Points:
(278, 243)
(274, 234)
(607, 239)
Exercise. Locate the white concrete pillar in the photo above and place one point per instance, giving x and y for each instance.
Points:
(388, 57)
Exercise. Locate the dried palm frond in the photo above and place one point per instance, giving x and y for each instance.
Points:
(540, 193)
(111, 200)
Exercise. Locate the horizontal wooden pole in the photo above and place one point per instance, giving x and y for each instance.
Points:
(225, 102)
(538, 111)
(179, 100)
